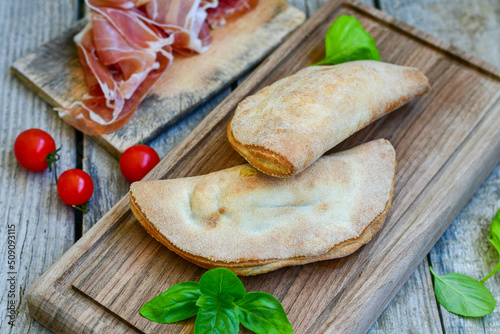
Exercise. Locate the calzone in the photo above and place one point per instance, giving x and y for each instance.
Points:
(286, 126)
(252, 223)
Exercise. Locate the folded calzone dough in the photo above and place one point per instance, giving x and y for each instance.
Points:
(251, 223)
(286, 126)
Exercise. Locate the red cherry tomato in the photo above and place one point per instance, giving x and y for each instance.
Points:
(75, 187)
(137, 161)
(32, 148)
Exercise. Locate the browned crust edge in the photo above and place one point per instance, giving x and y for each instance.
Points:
(255, 267)
(265, 160)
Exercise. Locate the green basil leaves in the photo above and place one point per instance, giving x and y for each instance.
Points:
(176, 304)
(347, 40)
(262, 313)
(464, 295)
(220, 303)
(216, 315)
(216, 281)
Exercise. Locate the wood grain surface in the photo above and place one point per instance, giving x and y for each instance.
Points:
(43, 226)
(414, 224)
(53, 71)
(471, 26)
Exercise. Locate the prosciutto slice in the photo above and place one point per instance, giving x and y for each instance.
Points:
(228, 10)
(185, 20)
(113, 95)
(127, 47)
(125, 4)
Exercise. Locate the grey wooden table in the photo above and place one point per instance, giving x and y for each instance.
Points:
(45, 228)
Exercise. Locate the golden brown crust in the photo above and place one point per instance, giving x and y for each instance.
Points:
(262, 159)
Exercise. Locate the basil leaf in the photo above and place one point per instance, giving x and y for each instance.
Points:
(176, 304)
(463, 295)
(213, 301)
(216, 281)
(262, 313)
(494, 237)
(347, 40)
(223, 300)
(216, 315)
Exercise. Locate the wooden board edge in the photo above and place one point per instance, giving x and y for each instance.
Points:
(104, 143)
(44, 306)
(17, 67)
(37, 303)
(47, 290)
(18, 73)
(447, 48)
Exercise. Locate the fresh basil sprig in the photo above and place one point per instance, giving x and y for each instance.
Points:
(347, 40)
(220, 303)
(464, 295)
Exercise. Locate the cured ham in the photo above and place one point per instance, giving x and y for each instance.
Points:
(228, 10)
(127, 47)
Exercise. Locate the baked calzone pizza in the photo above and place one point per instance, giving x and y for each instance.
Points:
(252, 223)
(286, 126)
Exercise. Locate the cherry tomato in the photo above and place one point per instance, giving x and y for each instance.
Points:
(34, 148)
(75, 187)
(137, 161)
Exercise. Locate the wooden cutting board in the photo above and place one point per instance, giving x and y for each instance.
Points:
(53, 71)
(447, 142)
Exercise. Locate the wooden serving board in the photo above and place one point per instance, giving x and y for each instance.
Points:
(53, 71)
(447, 142)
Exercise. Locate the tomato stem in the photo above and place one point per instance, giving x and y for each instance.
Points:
(52, 159)
(83, 207)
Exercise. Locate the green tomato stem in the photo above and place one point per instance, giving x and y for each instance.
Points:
(83, 207)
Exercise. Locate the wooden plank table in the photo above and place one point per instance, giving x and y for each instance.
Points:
(45, 227)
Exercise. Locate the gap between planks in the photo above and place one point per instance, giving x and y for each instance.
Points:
(79, 141)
